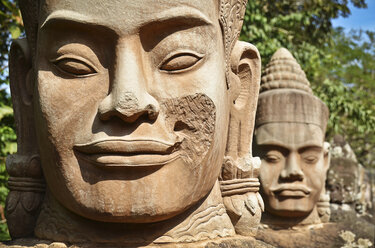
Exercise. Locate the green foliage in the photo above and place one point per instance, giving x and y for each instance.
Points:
(340, 67)
(303, 27)
(348, 88)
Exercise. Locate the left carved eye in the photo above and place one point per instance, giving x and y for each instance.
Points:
(310, 159)
(74, 67)
(180, 62)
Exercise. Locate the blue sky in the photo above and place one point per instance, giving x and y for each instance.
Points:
(359, 18)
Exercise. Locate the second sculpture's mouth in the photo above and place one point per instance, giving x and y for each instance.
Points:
(128, 153)
(292, 190)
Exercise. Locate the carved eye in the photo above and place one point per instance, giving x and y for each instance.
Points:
(310, 159)
(180, 62)
(272, 158)
(74, 67)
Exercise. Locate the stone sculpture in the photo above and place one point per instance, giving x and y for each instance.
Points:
(289, 138)
(125, 111)
(348, 183)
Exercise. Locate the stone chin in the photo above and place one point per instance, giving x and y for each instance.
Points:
(151, 198)
(292, 207)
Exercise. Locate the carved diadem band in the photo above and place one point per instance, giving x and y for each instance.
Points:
(239, 186)
(290, 105)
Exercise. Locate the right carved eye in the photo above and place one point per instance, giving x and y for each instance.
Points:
(180, 62)
(74, 67)
(272, 158)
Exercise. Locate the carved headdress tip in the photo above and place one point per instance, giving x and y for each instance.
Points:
(283, 71)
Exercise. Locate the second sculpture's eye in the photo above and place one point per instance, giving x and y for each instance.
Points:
(180, 62)
(310, 159)
(74, 67)
(272, 158)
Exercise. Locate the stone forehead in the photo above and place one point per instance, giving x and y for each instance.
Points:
(290, 135)
(129, 13)
(231, 14)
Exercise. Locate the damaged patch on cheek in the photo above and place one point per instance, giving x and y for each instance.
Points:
(192, 118)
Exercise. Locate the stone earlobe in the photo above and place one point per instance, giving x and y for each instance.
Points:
(323, 205)
(26, 182)
(239, 178)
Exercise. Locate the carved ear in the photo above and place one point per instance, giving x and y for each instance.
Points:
(245, 80)
(21, 86)
(26, 183)
(327, 155)
(239, 178)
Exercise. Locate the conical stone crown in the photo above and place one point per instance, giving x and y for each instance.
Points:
(283, 71)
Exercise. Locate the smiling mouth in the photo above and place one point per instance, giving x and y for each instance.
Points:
(128, 153)
(292, 190)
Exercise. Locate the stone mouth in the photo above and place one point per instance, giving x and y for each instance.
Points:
(292, 190)
(128, 153)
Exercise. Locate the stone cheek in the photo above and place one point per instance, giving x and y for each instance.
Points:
(193, 118)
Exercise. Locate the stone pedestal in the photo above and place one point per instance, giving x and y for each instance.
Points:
(233, 242)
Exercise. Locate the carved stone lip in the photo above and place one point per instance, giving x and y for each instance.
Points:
(298, 190)
(128, 153)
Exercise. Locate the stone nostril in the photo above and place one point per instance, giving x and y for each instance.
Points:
(128, 107)
(152, 112)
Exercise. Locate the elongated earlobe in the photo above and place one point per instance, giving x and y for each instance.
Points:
(21, 73)
(246, 70)
(327, 155)
(239, 177)
(26, 182)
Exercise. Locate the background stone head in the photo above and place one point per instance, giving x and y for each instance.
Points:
(289, 137)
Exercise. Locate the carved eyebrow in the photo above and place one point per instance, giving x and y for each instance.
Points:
(77, 20)
(67, 15)
(310, 146)
(276, 143)
(185, 14)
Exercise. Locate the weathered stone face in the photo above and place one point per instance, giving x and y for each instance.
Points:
(134, 105)
(289, 134)
(342, 180)
(131, 119)
(293, 167)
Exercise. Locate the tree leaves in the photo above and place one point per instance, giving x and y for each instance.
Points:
(5, 111)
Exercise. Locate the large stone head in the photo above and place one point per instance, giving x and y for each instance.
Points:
(132, 100)
(289, 137)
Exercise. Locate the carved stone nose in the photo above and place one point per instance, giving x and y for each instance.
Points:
(292, 170)
(129, 99)
(128, 107)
